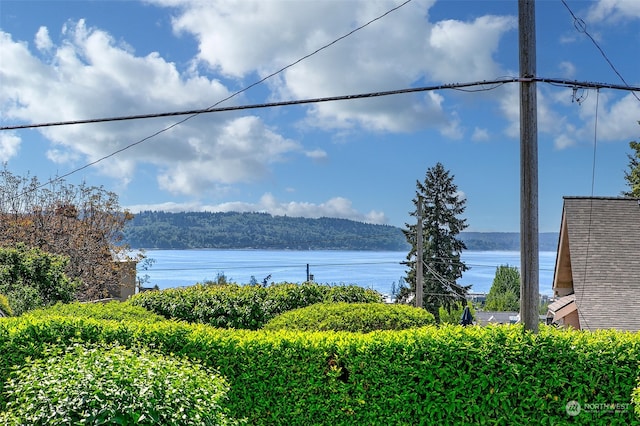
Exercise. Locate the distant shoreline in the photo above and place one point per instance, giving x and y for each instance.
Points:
(329, 250)
(262, 231)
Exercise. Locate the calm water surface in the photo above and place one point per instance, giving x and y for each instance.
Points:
(377, 270)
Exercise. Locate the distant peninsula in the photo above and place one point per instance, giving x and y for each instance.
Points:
(234, 230)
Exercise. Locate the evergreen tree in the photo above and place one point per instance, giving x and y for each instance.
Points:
(504, 294)
(633, 175)
(441, 208)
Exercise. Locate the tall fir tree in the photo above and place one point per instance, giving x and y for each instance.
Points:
(633, 175)
(441, 210)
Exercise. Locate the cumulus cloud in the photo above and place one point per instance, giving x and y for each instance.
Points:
(317, 154)
(335, 207)
(242, 152)
(9, 145)
(464, 50)
(567, 69)
(257, 38)
(615, 10)
(42, 40)
(480, 135)
(90, 75)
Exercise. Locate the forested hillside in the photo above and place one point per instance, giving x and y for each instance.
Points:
(232, 230)
(548, 241)
(189, 230)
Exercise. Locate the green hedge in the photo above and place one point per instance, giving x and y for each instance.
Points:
(113, 310)
(354, 317)
(31, 278)
(244, 306)
(4, 306)
(636, 399)
(449, 375)
(113, 385)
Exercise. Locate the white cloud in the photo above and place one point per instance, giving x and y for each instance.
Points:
(335, 207)
(464, 50)
(9, 145)
(617, 117)
(239, 39)
(480, 135)
(242, 152)
(317, 154)
(42, 40)
(563, 141)
(614, 10)
(89, 75)
(567, 69)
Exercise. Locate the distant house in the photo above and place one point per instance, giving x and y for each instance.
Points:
(126, 281)
(496, 317)
(597, 274)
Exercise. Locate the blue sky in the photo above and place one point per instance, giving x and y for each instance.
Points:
(73, 60)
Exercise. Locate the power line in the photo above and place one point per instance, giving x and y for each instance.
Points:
(581, 27)
(262, 105)
(494, 84)
(192, 113)
(210, 109)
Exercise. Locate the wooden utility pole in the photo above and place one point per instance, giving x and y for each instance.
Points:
(529, 262)
(419, 257)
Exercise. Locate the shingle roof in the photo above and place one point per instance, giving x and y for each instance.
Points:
(495, 317)
(561, 303)
(603, 239)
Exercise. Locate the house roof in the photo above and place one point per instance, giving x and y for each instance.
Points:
(562, 307)
(560, 303)
(495, 317)
(599, 261)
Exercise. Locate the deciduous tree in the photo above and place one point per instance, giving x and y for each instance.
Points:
(442, 207)
(84, 223)
(504, 294)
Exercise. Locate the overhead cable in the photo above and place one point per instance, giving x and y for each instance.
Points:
(452, 86)
(581, 27)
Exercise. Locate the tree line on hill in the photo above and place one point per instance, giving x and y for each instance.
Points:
(234, 230)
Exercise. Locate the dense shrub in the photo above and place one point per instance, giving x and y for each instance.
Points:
(453, 375)
(113, 310)
(4, 306)
(244, 307)
(113, 385)
(454, 314)
(32, 278)
(635, 398)
(351, 294)
(355, 317)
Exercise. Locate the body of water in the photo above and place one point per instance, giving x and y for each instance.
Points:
(377, 270)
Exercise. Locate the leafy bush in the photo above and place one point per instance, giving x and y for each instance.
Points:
(455, 314)
(32, 278)
(355, 317)
(4, 306)
(244, 307)
(352, 294)
(113, 310)
(499, 375)
(114, 385)
(635, 399)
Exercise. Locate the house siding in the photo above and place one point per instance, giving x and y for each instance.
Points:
(604, 245)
